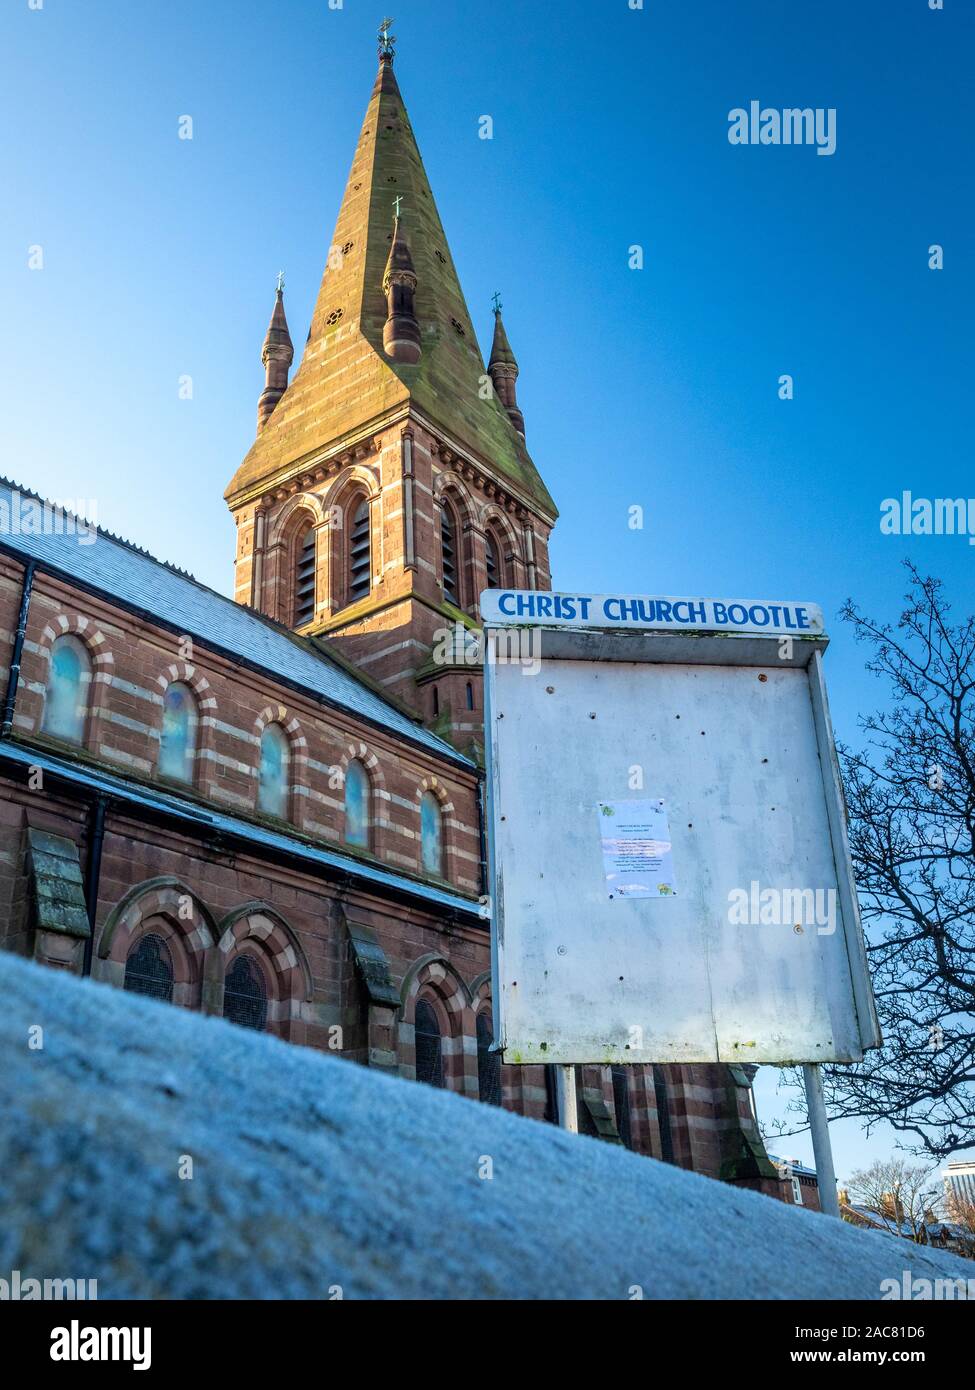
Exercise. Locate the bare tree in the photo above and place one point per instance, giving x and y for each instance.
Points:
(911, 800)
(900, 1194)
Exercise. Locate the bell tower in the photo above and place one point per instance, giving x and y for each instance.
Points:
(389, 482)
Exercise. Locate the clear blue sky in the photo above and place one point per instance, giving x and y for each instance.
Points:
(655, 387)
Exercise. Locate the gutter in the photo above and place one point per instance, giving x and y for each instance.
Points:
(222, 838)
(93, 872)
(13, 676)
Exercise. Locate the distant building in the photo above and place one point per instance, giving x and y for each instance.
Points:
(800, 1185)
(960, 1182)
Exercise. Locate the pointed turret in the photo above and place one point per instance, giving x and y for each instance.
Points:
(277, 355)
(504, 372)
(401, 335)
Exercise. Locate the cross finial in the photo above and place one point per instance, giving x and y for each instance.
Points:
(386, 40)
(396, 206)
(280, 282)
(496, 301)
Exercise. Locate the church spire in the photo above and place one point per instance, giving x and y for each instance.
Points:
(504, 371)
(277, 355)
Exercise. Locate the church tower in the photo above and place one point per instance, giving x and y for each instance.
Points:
(389, 482)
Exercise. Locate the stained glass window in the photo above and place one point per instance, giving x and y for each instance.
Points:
(66, 696)
(488, 1063)
(431, 834)
(356, 805)
(305, 578)
(429, 1044)
(273, 783)
(360, 561)
(245, 994)
(149, 968)
(177, 746)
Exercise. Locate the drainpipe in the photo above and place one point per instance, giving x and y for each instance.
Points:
(93, 872)
(13, 677)
(482, 838)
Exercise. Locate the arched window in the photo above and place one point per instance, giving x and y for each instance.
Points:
(448, 550)
(66, 696)
(431, 834)
(470, 695)
(436, 702)
(149, 968)
(492, 553)
(177, 747)
(245, 994)
(356, 805)
(488, 1063)
(305, 577)
(360, 552)
(429, 1044)
(273, 781)
(621, 1098)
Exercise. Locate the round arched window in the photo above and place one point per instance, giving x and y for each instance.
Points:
(245, 994)
(66, 692)
(149, 968)
(429, 1044)
(431, 834)
(274, 777)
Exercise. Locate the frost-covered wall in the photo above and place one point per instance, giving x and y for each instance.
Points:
(171, 1155)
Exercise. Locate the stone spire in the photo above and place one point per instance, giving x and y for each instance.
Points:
(401, 335)
(277, 355)
(504, 371)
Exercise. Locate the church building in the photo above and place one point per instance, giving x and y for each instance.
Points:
(271, 808)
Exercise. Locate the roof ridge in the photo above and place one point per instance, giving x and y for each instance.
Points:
(99, 530)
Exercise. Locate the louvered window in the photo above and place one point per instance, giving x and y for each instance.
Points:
(245, 995)
(448, 547)
(149, 968)
(429, 1045)
(305, 579)
(493, 556)
(359, 553)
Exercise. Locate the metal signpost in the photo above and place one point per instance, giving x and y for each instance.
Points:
(670, 870)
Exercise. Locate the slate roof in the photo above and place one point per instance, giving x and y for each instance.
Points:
(203, 819)
(345, 379)
(122, 571)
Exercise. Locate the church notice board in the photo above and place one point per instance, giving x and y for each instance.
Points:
(670, 874)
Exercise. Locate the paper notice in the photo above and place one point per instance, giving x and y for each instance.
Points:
(636, 848)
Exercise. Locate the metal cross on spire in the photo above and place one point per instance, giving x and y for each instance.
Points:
(496, 301)
(387, 40)
(280, 282)
(396, 206)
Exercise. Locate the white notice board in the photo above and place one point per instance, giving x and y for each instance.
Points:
(671, 879)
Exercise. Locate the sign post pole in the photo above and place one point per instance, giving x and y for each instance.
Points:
(822, 1149)
(565, 1083)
